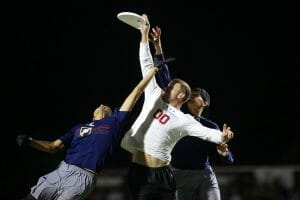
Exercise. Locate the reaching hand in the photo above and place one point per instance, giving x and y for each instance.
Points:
(227, 134)
(155, 37)
(145, 26)
(223, 149)
(23, 140)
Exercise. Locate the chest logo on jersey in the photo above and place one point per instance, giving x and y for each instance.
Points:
(84, 131)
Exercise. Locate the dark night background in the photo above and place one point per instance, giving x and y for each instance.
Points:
(62, 59)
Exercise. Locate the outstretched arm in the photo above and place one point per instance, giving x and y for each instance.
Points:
(155, 39)
(194, 128)
(46, 146)
(222, 149)
(138, 90)
(163, 77)
(145, 58)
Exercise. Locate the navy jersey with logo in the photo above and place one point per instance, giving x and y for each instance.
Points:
(90, 144)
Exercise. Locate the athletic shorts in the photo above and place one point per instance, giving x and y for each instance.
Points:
(66, 182)
(147, 183)
(196, 184)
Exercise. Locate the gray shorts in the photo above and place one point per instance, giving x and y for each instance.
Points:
(196, 185)
(66, 182)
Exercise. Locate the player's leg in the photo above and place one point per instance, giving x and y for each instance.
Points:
(213, 194)
(187, 182)
(76, 183)
(185, 193)
(209, 189)
(46, 187)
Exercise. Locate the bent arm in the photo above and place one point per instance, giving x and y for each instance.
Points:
(138, 90)
(47, 146)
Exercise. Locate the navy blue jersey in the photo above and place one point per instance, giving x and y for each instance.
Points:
(190, 152)
(90, 144)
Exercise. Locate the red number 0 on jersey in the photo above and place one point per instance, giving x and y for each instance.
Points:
(161, 116)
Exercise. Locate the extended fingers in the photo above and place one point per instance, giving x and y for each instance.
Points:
(227, 130)
(229, 133)
(224, 126)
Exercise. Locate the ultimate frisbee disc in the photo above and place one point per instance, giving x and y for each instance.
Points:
(131, 19)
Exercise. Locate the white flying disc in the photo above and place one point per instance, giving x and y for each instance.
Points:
(131, 19)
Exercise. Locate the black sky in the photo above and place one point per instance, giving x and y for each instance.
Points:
(65, 58)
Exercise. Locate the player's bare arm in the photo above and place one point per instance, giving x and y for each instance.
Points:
(155, 39)
(144, 29)
(47, 146)
(137, 91)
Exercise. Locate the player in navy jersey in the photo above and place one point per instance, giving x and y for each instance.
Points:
(88, 146)
(156, 130)
(194, 176)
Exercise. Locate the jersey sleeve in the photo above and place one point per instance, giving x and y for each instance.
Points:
(121, 117)
(68, 136)
(194, 128)
(208, 123)
(228, 159)
(163, 76)
(146, 63)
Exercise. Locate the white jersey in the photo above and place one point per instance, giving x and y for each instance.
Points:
(159, 125)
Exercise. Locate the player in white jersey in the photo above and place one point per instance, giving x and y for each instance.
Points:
(157, 129)
(194, 175)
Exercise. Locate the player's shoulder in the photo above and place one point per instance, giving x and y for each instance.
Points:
(188, 117)
(209, 123)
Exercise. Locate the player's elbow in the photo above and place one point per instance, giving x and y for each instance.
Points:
(54, 147)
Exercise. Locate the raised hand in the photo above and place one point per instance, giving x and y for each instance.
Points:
(145, 26)
(155, 37)
(227, 134)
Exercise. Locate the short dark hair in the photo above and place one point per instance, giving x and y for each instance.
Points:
(202, 93)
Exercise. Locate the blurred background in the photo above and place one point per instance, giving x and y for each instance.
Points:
(62, 59)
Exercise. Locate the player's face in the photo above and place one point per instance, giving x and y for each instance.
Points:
(197, 102)
(102, 111)
(196, 105)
